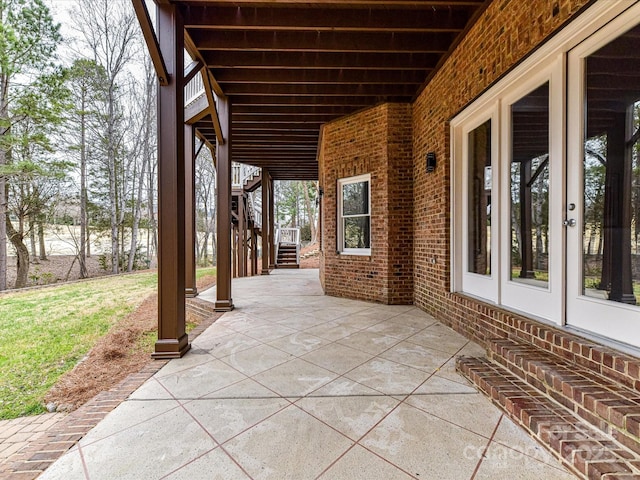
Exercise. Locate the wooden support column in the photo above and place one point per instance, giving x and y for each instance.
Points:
(224, 302)
(254, 251)
(172, 338)
(245, 240)
(272, 226)
(190, 288)
(265, 222)
(241, 253)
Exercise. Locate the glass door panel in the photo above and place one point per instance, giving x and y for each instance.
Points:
(604, 233)
(530, 188)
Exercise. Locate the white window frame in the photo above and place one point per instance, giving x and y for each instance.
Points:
(340, 217)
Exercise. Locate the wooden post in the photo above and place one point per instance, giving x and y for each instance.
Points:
(272, 227)
(241, 253)
(224, 302)
(265, 222)
(191, 290)
(172, 339)
(254, 250)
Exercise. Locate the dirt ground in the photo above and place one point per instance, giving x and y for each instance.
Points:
(124, 350)
(57, 268)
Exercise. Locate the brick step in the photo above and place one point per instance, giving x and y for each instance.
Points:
(583, 449)
(603, 402)
(200, 308)
(605, 361)
(287, 265)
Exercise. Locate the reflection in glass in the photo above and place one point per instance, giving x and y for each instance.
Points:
(479, 207)
(611, 226)
(355, 198)
(356, 232)
(530, 188)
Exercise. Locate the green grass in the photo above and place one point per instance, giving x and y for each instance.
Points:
(201, 272)
(44, 333)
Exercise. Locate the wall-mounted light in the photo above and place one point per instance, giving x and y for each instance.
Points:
(320, 191)
(431, 162)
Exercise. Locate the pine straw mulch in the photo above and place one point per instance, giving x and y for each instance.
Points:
(116, 355)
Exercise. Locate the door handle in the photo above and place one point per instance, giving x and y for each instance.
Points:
(570, 222)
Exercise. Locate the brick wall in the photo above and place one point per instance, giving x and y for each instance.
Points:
(376, 141)
(505, 33)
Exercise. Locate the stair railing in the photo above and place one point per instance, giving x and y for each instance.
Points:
(289, 236)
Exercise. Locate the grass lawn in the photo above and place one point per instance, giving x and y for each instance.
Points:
(44, 333)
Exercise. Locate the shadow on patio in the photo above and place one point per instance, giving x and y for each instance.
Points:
(294, 384)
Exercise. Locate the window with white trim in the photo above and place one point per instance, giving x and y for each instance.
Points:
(354, 215)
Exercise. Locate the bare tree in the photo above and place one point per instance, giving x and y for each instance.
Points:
(109, 29)
(205, 199)
(144, 150)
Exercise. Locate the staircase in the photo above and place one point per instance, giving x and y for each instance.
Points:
(578, 399)
(287, 256)
(287, 248)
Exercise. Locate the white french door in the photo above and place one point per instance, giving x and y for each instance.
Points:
(603, 182)
(532, 193)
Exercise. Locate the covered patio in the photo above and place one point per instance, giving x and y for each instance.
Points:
(295, 384)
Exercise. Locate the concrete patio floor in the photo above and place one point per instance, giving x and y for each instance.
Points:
(296, 385)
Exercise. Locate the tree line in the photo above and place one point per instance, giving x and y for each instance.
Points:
(78, 141)
(77, 133)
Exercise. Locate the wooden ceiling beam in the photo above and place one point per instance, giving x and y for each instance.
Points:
(281, 100)
(310, 41)
(402, 90)
(291, 110)
(315, 76)
(238, 120)
(430, 18)
(365, 4)
(320, 60)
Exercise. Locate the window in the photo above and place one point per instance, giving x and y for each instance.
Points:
(479, 198)
(354, 215)
(545, 218)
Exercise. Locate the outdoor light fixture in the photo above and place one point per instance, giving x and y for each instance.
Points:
(320, 191)
(431, 162)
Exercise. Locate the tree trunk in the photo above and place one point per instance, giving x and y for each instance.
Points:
(22, 254)
(312, 222)
(3, 229)
(43, 248)
(32, 239)
(82, 254)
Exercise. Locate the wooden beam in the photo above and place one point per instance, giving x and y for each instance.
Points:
(320, 76)
(195, 53)
(173, 341)
(190, 288)
(213, 111)
(439, 19)
(311, 41)
(215, 59)
(357, 90)
(152, 41)
(192, 70)
(224, 302)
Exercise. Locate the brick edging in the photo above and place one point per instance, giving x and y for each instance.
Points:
(41, 453)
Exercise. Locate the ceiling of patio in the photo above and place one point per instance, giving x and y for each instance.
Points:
(290, 66)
